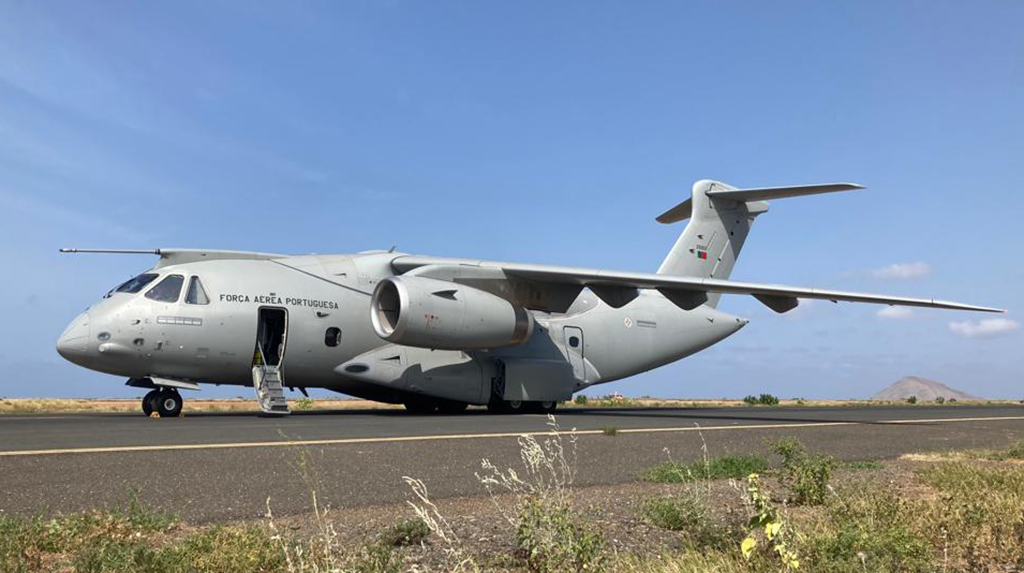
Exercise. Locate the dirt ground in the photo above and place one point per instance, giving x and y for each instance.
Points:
(615, 510)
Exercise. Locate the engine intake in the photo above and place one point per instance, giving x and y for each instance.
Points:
(431, 313)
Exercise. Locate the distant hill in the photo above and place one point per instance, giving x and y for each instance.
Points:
(924, 389)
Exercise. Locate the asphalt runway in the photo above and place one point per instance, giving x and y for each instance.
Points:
(218, 467)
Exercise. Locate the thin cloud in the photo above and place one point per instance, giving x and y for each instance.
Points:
(985, 327)
(902, 271)
(895, 312)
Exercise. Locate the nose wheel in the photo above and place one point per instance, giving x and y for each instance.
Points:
(166, 402)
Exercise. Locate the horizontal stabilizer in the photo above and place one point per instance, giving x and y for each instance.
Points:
(766, 193)
(684, 210)
(681, 211)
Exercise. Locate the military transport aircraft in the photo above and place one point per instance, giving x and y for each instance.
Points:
(435, 334)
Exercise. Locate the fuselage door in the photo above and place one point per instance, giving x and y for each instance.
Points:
(267, 379)
(271, 333)
(574, 350)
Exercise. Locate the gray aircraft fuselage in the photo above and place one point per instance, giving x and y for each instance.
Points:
(134, 336)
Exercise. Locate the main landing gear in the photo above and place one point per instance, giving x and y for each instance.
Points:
(521, 407)
(427, 406)
(449, 407)
(166, 402)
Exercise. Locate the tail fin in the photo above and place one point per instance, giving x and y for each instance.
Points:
(720, 218)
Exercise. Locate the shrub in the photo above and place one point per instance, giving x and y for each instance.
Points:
(768, 400)
(406, 532)
(806, 474)
(940, 400)
(724, 467)
(952, 400)
(552, 539)
(610, 431)
(580, 400)
(686, 514)
(762, 400)
(304, 404)
(768, 528)
(912, 400)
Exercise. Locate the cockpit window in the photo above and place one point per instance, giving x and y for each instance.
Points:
(196, 294)
(167, 290)
(134, 285)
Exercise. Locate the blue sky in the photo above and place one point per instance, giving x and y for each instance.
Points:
(535, 132)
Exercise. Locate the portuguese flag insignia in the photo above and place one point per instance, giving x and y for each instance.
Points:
(702, 255)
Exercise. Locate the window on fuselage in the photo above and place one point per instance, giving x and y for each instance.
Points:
(167, 290)
(332, 337)
(196, 294)
(134, 285)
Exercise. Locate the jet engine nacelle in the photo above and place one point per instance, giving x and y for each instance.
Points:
(431, 313)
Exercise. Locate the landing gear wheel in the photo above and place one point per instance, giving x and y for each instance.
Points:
(420, 407)
(546, 407)
(451, 408)
(169, 403)
(507, 407)
(149, 402)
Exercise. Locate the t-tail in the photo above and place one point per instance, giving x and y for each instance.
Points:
(720, 218)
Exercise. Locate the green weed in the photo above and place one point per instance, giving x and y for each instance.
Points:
(551, 538)
(723, 467)
(406, 532)
(862, 465)
(807, 475)
(689, 515)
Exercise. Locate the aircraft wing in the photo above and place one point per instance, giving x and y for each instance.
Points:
(618, 288)
(170, 257)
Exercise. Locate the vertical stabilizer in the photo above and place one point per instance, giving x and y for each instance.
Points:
(714, 235)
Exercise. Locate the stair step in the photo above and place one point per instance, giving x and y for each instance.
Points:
(269, 389)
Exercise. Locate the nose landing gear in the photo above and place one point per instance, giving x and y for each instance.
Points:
(166, 402)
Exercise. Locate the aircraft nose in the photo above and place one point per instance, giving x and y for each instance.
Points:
(74, 342)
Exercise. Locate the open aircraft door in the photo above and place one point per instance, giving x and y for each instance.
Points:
(267, 379)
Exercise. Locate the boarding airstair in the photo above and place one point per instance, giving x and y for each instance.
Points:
(269, 387)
